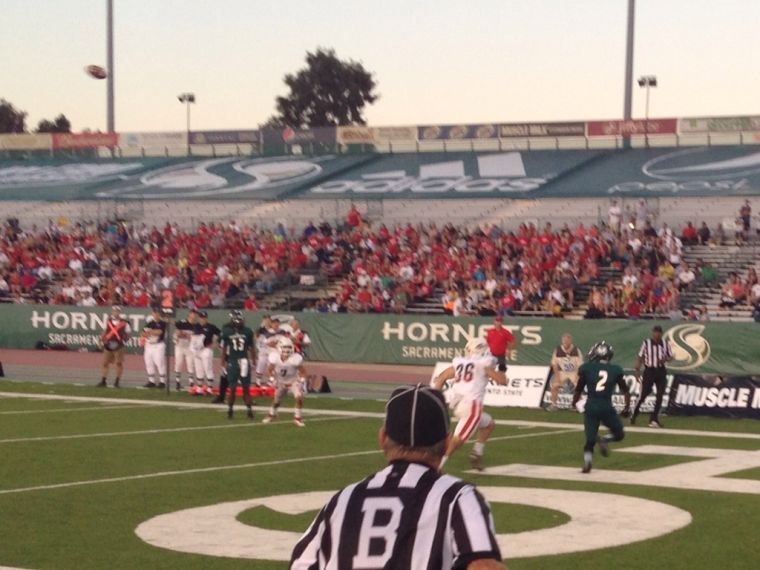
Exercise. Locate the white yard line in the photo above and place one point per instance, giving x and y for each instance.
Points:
(215, 469)
(244, 423)
(379, 415)
(60, 410)
(537, 434)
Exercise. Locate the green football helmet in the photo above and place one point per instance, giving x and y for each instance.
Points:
(236, 318)
(601, 351)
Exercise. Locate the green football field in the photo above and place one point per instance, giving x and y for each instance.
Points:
(81, 469)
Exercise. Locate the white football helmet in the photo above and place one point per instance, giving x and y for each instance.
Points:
(285, 347)
(477, 347)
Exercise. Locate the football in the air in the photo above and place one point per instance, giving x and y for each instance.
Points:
(96, 71)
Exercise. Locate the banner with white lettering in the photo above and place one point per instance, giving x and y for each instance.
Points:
(712, 395)
(525, 386)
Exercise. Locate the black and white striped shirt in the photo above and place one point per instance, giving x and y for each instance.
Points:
(405, 516)
(655, 354)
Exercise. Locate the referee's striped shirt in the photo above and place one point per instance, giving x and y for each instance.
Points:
(654, 353)
(406, 516)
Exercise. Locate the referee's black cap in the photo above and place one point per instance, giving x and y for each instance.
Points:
(657, 328)
(416, 416)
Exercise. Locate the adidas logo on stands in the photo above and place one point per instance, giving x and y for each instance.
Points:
(504, 172)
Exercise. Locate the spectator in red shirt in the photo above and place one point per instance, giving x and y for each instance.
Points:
(499, 339)
(250, 303)
(354, 218)
(689, 234)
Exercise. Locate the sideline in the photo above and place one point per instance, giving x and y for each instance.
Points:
(379, 415)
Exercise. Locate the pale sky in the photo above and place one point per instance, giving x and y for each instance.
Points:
(436, 61)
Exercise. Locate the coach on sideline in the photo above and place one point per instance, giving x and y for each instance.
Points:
(409, 515)
(499, 339)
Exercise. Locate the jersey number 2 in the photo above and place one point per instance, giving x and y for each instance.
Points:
(601, 383)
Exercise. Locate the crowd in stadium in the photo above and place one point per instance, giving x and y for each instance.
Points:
(485, 271)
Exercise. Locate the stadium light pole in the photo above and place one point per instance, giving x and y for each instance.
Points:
(110, 120)
(647, 81)
(187, 99)
(628, 98)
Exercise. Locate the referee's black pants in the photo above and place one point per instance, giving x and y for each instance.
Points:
(653, 377)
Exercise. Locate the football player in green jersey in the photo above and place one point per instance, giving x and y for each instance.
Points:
(600, 377)
(237, 354)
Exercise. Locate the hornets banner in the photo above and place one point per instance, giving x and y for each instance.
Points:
(699, 347)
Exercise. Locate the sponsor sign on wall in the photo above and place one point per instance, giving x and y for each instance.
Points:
(84, 140)
(153, 140)
(374, 135)
(711, 395)
(224, 137)
(575, 129)
(26, 141)
(525, 386)
(292, 136)
(694, 125)
(633, 127)
(457, 132)
(504, 130)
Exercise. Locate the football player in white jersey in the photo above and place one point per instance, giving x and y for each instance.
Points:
(471, 374)
(286, 372)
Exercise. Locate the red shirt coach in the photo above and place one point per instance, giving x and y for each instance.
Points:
(499, 339)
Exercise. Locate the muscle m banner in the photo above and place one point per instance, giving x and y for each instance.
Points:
(712, 395)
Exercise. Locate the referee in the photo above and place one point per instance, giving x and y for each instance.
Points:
(408, 515)
(654, 353)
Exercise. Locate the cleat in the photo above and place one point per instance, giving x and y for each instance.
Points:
(178, 386)
(101, 384)
(268, 419)
(299, 422)
(633, 419)
(229, 414)
(552, 408)
(250, 415)
(604, 449)
(149, 385)
(218, 400)
(162, 385)
(476, 461)
(655, 424)
(116, 383)
(586, 467)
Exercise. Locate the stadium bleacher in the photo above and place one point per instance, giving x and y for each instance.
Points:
(472, 186)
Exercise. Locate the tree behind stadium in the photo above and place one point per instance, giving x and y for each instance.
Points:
(12, 120)
(59, 125)
(327, 92)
